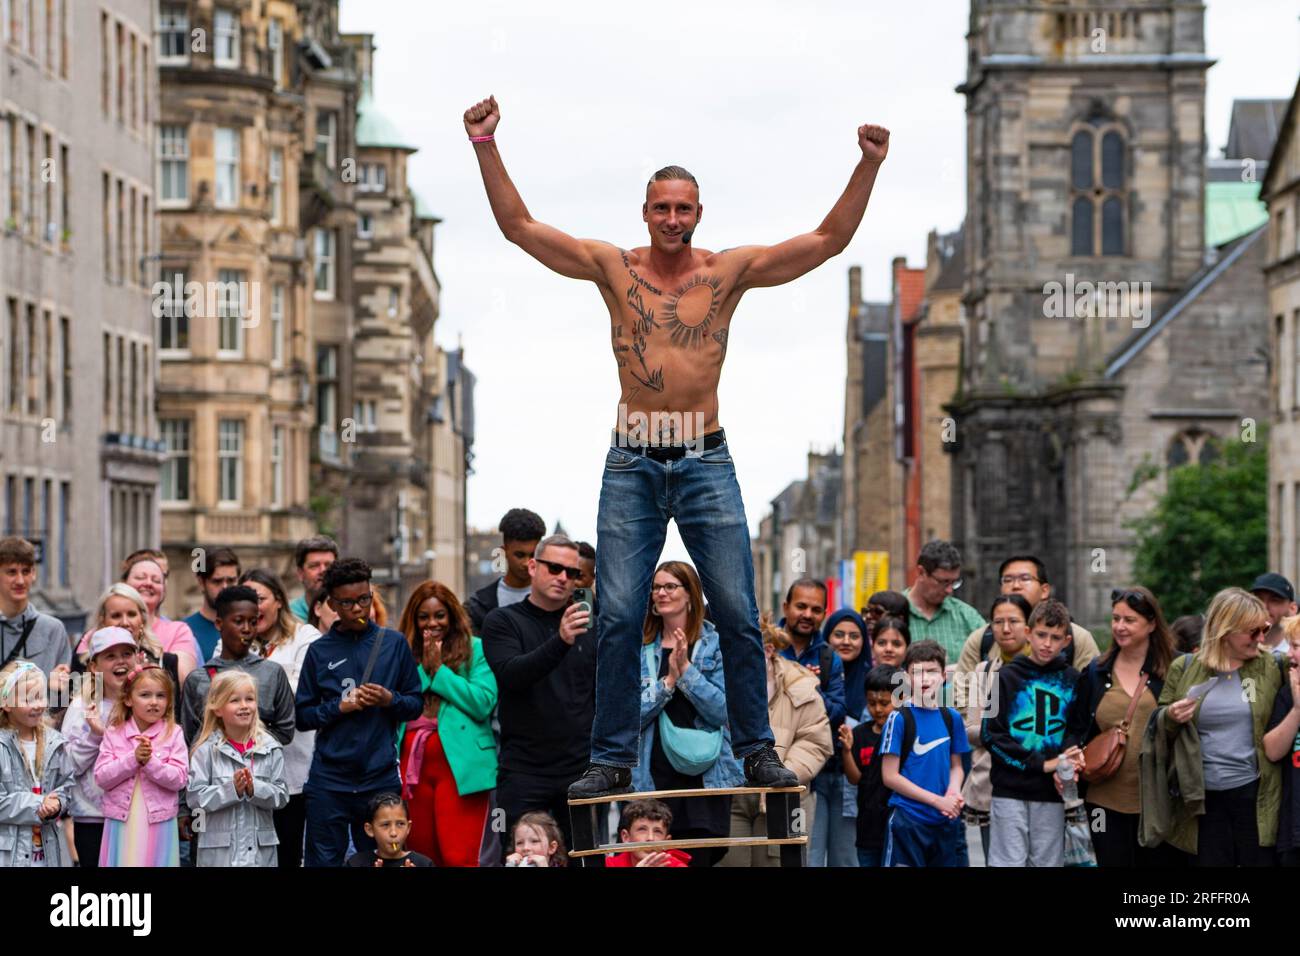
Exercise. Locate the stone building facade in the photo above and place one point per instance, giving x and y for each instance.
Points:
(1103, 336)
(801, 536)
(249, 300)
(79, 441)
(306, 392)
(1281, 192)
(406, 489)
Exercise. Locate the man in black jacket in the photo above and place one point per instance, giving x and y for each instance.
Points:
(521, 529)
(543, 653)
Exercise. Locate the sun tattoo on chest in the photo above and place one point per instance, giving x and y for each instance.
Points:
(689, 312)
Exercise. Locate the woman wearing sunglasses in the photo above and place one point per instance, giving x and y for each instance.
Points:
(1221, 699)
(1140, 653)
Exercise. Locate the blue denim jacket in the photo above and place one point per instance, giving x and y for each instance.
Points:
(704, 686)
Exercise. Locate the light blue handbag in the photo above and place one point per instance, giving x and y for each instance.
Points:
(691, 751)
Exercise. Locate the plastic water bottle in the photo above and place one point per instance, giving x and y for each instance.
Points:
(1069, 787)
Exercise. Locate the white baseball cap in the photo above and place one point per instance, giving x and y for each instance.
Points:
(107, 637)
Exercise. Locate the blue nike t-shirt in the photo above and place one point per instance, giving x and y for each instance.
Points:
(930, 762)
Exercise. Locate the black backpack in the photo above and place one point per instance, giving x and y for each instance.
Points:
(986, 645)
(909, 737)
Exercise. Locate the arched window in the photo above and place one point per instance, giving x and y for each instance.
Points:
(1192, 445)
(1178, 452)
(1098, 189)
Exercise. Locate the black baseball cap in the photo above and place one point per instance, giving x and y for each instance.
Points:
(1275, 584)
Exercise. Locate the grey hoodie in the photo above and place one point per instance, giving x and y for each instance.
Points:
(47, 644)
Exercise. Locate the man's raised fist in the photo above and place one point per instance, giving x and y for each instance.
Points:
(874, 141)
(481, 119)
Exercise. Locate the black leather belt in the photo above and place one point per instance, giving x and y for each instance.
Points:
(669, 452)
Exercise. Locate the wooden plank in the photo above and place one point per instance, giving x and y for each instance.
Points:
(689, 844)
(665, 794)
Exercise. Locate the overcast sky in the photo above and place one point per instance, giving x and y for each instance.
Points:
(761, 101)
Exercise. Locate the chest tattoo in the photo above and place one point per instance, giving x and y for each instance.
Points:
(690, 311)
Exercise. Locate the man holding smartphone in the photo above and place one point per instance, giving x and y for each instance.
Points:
(670, 307)
(543, 652)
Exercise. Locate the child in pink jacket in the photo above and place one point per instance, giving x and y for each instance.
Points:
(142, 767)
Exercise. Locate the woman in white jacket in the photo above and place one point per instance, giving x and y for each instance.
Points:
(284, 639)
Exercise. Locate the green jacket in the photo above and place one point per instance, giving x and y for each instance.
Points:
(1266, 678)
(465, 720)
(1172, 785)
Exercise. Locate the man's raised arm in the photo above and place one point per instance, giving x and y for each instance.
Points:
(558, 251)
(786, 261)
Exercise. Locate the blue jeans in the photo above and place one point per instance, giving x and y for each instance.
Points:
(833, 834)
(638, 496)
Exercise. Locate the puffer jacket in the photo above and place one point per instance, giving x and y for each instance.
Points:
(798, 717)
(162, 778)
(233, 830)
(18, 805)
(704, 686)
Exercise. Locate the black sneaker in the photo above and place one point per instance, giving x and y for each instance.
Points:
(601, 780)
(763, 768)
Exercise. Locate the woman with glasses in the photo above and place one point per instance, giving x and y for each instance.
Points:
(685, 741)
(1220, 699)
(1136, 664)
(447, 756)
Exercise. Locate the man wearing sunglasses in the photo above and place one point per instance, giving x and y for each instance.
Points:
(543, 652)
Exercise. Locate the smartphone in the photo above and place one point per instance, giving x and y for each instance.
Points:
(582, 597)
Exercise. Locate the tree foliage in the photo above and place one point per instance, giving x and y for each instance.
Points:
(1208, 531)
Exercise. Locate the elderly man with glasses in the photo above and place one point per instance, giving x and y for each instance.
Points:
(543, 652)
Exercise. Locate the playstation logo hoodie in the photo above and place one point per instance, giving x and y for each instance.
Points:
(1028, 726)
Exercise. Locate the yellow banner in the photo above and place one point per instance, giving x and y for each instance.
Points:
(870, 574)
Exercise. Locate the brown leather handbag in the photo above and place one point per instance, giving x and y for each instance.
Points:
(1105, 752)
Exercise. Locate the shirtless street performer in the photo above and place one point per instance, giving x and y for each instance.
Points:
(670, 306)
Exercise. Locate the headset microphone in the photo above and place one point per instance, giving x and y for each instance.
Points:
(686, 236)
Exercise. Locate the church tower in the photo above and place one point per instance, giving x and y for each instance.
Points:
(1086, 156)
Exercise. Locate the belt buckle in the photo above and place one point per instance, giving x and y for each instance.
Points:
(664, 452)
